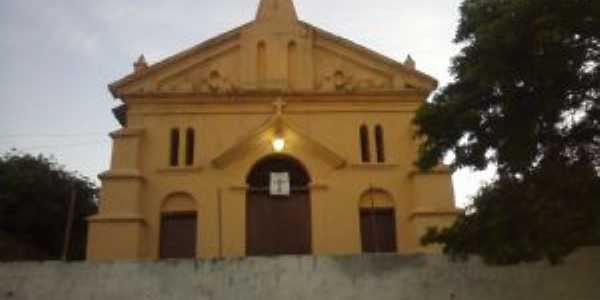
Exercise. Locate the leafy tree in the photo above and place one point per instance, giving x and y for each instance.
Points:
(525, 99)
(34, 201)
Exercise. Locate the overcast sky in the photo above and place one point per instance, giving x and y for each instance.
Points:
(57, 57)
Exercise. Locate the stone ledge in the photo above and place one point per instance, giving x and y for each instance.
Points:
(439, 170)
(176, 170)
(127, 132)
(117, 219)
(429, 212)
(374, 165)
(121, 174)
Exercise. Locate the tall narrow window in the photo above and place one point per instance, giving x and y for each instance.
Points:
(365, 150)
(174, 147)
(261, 63)
(379, 144)
(189, 147)
(292, 65)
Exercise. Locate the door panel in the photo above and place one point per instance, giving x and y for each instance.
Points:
(178, 236)
(278, 225)
(378, 230)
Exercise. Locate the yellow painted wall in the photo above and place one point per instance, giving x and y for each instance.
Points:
(330, 88)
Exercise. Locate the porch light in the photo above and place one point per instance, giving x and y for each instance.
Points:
(278, 144)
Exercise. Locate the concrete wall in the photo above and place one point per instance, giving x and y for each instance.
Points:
(352, 277)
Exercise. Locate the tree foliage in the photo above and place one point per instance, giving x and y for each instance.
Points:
(525, 99)
(34, 200)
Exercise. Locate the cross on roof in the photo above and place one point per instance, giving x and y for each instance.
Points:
(279, 104)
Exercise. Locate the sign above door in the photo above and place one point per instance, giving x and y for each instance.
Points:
(280, 184)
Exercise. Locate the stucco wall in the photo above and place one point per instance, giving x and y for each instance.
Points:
(352, 277)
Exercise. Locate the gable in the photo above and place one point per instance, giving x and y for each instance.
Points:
(275, 54)
(372, 71)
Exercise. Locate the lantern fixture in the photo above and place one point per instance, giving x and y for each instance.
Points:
(278, 144)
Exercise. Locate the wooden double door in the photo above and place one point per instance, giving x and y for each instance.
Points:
(378, 230)
(278, 225)
(178, 235)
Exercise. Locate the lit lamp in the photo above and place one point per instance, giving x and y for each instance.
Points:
(278, 144)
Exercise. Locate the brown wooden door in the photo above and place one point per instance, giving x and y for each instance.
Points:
(378, 230)
(178, 235)
(278, 225)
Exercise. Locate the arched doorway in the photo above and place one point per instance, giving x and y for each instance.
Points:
(278, 225)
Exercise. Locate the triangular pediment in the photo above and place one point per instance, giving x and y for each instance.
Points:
(342, 65)
(296, 140)
(276, 52)
(209, 67)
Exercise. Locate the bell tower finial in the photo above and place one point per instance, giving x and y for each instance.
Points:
(140, 65)
(276, 9)
(410, 62)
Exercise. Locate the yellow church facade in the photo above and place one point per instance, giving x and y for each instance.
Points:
(275, 138)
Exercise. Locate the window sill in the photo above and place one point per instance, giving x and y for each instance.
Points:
(180, 169)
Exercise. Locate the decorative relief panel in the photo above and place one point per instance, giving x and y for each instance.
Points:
(205, 82)
(216, 76)
(340, 81)
(336, 74)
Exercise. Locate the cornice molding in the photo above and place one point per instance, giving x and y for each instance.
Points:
(127, 132)
(180, 170)
(439, 170)
(434, 213)
(101, 218)
(311, 186)
(375, 166)
(269, 95)
(128, 174)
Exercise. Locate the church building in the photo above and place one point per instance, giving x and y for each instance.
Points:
(275, 138)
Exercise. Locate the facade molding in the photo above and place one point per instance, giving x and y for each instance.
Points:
(117, 174)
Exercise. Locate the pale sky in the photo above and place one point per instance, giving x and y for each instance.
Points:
(58, 56)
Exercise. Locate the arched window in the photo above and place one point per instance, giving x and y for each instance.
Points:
(379, 144)
(377, 222)
(174, 154)
(365, 151)
(189, 147)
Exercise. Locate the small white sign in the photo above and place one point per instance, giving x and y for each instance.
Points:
(280, 184)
